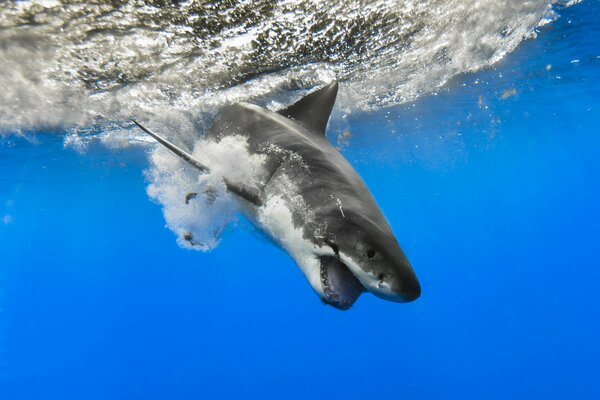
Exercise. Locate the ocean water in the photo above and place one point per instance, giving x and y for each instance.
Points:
(474, 123)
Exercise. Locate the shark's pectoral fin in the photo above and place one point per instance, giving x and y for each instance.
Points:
(313, 110)
(249, 194)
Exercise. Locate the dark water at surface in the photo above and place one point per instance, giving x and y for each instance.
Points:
(492, 187)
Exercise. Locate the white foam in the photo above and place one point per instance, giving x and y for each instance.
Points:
(199, 223)
(81, 63)
(229, 157)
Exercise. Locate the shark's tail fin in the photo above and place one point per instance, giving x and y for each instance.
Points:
(247, 193)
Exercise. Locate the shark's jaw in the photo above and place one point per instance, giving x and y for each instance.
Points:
(326, 273)
(339, 286)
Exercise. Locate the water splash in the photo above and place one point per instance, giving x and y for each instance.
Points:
(197, 206)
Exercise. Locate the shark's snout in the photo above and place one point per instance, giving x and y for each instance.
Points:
(410, 290)
(405, 283)
(398, 284)
(399, 292)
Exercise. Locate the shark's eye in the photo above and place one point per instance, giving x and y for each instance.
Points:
(370, 253)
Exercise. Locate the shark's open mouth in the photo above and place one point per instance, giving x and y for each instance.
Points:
(340, 286)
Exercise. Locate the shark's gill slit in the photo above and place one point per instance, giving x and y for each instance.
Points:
(335, 249)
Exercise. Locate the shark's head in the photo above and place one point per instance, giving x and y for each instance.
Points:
(375, 259)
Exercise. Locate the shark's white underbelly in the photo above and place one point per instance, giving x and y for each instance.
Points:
(275, 219)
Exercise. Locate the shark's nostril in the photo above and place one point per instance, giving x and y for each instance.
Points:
(382, 282)
(381, 278)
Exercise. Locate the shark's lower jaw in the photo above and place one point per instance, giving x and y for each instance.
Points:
(340, 287)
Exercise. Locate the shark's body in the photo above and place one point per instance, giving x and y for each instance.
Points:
(313, 203)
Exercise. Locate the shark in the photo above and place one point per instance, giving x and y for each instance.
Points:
(311, 202)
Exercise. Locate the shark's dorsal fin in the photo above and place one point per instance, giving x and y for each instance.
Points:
(313, 110)
(247, 193)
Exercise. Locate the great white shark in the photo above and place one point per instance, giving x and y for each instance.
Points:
(311, 202)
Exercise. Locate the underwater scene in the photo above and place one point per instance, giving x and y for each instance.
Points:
(297, 199)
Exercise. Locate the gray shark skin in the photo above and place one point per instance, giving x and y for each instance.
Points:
(338, 235)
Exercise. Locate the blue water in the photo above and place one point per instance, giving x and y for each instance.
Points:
(492, 187)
